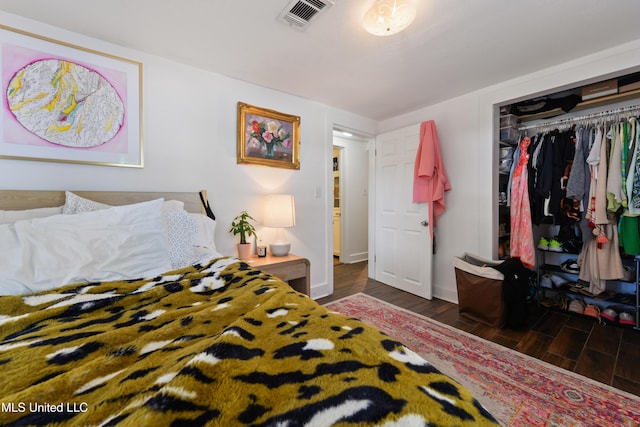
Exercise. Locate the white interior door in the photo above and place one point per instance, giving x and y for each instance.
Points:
(403, 248)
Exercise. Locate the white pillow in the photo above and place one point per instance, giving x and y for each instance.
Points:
(205, 237)
(180, 230)
(8, 217)
(123, 242)
(172, 205)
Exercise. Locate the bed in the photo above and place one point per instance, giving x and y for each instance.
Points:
(213, 342)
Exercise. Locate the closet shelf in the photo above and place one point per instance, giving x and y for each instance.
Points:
(584, 105)
(555, 268)
(574, 288)
(554, 252)
(555, 308)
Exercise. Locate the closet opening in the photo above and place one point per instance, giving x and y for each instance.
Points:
(568, 195)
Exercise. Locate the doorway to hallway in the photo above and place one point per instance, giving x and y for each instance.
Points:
(350, 197)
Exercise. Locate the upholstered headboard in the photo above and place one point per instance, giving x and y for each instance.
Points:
(31, 199)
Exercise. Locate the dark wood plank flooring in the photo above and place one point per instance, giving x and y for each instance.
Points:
(607, 354)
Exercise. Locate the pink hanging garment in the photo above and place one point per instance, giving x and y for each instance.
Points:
(430, 180)
(521, 230)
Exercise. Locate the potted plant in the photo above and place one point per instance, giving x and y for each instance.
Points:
(241, 225)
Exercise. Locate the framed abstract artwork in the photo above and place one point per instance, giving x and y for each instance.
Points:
(66, 103)
(268, 138)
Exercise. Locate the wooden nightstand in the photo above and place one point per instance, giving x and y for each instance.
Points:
(290, 268)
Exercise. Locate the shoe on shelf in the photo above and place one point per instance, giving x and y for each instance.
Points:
(604, 296)
(622, 298)
(572, 246)
(543, 244)
(545, 282)
(578, 286)
(610, 315)
(552, 281)
(576, 306)
(555, 246)
(558, 281)
(561, 301)
(570, 266)
(547, 302)
(592, 310)
(629, 274)
(585, 291)
(626, 319)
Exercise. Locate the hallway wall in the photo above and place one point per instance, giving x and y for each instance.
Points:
(354, 188)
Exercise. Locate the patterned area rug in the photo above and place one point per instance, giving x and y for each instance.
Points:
(517, 389)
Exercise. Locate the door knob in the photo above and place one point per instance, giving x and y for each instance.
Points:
(424, 223)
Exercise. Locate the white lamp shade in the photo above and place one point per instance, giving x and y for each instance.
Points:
(279, 211)
(387, 17)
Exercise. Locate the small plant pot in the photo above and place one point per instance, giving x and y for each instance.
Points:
(244, 250)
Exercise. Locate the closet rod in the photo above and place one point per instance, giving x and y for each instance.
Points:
(570, 120)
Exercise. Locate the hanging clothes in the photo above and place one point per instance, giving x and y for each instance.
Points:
(633, 180)
(514, 163)
(552, 157)
(521, 244)
(597, 169)
(629, 230)
(614, 173)
(580, 178)
(625, 140)
(601, 213)
(541, 182)
(629, 226)
(600, 262)
(593, 160)
(430, 180)
(580, 175)
(600, 258)
(563, 152)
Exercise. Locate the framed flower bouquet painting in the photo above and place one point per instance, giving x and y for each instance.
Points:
(268, 138)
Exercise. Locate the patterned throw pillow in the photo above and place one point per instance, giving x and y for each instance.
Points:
(75, 204)
(181, 232)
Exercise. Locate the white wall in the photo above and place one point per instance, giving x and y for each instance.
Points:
(467, 130)
(354, 188)
(189, 126)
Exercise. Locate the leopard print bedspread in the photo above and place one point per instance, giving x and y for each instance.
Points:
(218, 344)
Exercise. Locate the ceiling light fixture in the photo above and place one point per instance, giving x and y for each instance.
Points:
(387, 17)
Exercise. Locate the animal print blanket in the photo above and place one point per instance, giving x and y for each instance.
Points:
(218, 344)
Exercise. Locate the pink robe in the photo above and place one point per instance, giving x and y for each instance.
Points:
(521, 229)
(430, 180)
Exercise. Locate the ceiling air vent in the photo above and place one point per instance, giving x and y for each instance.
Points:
(298, 13)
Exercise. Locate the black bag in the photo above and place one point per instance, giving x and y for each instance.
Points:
(516, 290)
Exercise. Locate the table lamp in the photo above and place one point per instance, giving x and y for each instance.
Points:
(279, 212)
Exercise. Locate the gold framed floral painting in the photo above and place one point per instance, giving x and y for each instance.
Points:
(268, 138)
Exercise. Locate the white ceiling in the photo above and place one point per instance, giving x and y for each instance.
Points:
(453, 46)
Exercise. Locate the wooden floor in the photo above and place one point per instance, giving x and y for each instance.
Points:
(608, 354)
